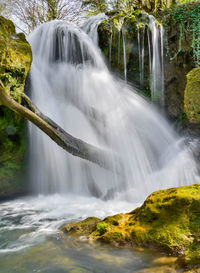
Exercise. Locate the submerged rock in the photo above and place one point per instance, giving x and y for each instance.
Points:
(15, 61)
(192, 96)
(169, 220)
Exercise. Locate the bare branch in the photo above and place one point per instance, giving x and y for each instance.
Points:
(28, 14)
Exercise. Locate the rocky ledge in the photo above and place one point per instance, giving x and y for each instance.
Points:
(169, 220)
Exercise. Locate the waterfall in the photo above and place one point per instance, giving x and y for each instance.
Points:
(110, 47)
(90, 26)
(124, 55)
(156, 61)
(72, 85)
(141, 54)
(119, 47)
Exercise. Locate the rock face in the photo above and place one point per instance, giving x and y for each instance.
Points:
(15, 61)
(181, 28)
(181, 50)
(112, 36)
(192, 96)
(169, 220)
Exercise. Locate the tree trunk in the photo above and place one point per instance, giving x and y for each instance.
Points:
(74, 146)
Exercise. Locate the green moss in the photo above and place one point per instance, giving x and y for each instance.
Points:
(113, 220)
(192, 96)
(84, 227)
(115, 238)
(101, 228)
(191, 257)
(15, 61)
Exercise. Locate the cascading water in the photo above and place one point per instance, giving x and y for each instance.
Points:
(110, 47)
(72, 85)
(124, 56)
(156, 60)
(155, 37)
(91, 25)
(140, 39)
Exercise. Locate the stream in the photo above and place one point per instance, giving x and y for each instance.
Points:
(30, 240)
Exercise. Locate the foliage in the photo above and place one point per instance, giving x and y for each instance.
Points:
(188, 19)
(15, 61)
(128, 6)
(94, 7)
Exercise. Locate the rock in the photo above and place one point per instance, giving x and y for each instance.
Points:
(192, 96)
(191, 258)
(180, 24)
(169, 221)
(83, 228)
(15, 61)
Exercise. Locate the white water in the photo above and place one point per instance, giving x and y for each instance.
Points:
(69, 81)
(124, 56)
(156, 61)
(29, 221)
(110, 48)
(140, 39)
(91, 25)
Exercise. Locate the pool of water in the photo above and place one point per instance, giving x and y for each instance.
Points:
(31, 241)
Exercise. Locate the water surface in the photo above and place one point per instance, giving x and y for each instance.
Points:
(31, 241)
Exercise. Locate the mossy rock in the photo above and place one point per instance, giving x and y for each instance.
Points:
(15, 61)
(192, 96)
(83, 228)
(191, 257)
(169, 220)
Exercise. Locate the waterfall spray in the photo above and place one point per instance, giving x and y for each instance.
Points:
(157, 61)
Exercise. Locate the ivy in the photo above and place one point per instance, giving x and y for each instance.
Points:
(188, 19)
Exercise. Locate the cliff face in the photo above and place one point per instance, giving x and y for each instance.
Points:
(181, 50)
(15, 61)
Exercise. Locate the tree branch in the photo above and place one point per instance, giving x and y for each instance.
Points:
(74, 146)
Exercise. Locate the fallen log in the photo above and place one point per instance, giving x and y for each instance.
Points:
(104, 158)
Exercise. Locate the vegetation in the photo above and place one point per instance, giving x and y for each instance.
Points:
(15, 60)
(187, 17)
(128, 6)
(192, 96)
